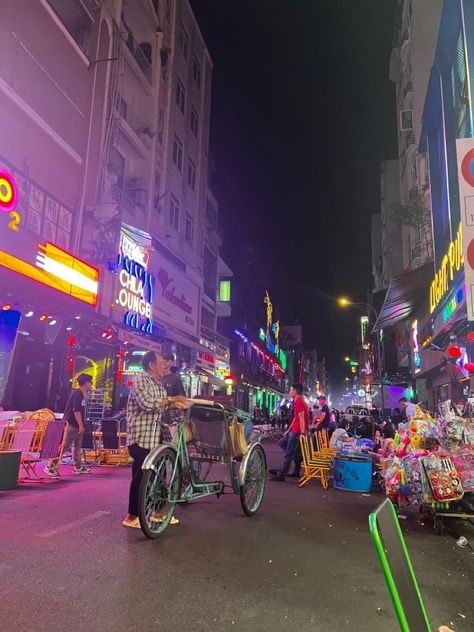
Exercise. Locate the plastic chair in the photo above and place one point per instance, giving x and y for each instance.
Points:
(51, 451)
(24, 433)
(318, 467)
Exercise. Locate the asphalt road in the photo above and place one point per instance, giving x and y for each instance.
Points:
(305, 562)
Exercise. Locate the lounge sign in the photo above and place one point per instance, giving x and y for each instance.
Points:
(451, 264)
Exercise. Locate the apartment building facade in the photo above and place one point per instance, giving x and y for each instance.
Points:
(106, 114)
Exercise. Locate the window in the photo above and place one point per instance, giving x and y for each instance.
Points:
(156, 192)
(194, 122)
(211, 214)
(168, 10)
(116, 166)
(460, 90)
(188, 230)
(76, 20)
(197, 72)
(184, 42)
(174, 213)
(161, 125)
(191, 175)
(178, 153)
(210, 273)
(122, 108)
(180, 96)
(224, 291)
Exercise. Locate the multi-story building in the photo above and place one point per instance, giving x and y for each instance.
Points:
(416, 31)
(106, 111)
(49, 101)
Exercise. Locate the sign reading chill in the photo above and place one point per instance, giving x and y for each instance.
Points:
(136, 289)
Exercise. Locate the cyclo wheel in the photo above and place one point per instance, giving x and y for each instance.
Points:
(158, 494)
(253, 489)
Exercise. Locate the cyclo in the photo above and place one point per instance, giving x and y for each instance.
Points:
(176, 473)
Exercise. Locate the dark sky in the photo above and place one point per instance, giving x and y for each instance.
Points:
(302, 113)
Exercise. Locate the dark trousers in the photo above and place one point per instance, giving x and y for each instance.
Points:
(138, 455)
(290, 444)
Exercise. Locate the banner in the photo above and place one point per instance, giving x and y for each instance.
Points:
(465, 156)
(176, 299)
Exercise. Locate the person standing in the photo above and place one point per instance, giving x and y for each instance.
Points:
(74, 416)
(290, 442)
(146, 403)
(170, 380)
(324, 418)
(408, 408)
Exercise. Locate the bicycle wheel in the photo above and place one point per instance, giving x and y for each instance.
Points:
(251, 492)
(159, 491)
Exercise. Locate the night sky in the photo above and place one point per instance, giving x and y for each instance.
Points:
(302, 113)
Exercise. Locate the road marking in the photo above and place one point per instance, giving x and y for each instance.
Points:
(72, 525)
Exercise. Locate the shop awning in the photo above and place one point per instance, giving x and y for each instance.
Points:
(404, 296)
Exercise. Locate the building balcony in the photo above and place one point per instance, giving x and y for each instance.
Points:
(126, 205)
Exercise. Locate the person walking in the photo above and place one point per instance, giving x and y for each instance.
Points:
(146, 403)
(290, 442)
(74, 416)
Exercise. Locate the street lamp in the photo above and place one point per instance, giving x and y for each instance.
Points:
(346, 359)
(345, 302)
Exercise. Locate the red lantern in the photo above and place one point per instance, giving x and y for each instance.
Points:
(469, 366)
(454, 352)
(470, 336)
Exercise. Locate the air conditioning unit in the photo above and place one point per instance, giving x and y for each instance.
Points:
(406, 120)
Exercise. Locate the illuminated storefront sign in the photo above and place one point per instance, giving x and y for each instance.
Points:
(453, 304)
(8, 192)
(221, 369)
(282, 356)
(451, 264)
(364, 323)
(416, 349)
(59, 270)
(135, 293)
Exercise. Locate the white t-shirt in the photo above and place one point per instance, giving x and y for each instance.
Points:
(410, 411)
(337, 438)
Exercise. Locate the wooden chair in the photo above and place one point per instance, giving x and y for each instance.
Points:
(42, 417)
(317, 467)
(52, 443)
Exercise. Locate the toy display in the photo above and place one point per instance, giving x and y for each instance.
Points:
(431, 464)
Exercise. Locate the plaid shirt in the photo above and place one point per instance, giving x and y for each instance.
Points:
(144, 412)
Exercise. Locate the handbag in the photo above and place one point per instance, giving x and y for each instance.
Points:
(238, 444)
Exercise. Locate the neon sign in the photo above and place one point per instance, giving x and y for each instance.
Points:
(58, 269)
(9, 198)
(453, 304)
(450, 265)
(364, 324)
(135, 293)
(8, 192)
(416, 349)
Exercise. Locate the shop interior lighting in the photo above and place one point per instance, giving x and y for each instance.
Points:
(52, 322)
(29, 314)
(68, 328)
(43, 317)
(77, 317)
(6, 307)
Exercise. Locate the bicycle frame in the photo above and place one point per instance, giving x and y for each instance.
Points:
(183, 465)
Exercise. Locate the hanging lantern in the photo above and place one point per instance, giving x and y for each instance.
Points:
(469, 366)
(470, 336)
(454, 352)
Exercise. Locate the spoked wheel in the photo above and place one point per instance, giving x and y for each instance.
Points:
(158, 494)
(251, 492)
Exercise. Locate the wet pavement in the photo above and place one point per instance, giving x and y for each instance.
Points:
(305, 561)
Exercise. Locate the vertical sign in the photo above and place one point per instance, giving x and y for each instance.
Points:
(465, 155)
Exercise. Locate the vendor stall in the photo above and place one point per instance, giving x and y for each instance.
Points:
(430, 464)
